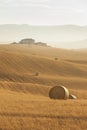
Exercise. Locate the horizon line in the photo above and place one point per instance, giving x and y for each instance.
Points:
(43, 24)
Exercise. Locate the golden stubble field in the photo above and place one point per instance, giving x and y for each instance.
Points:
(25, 102)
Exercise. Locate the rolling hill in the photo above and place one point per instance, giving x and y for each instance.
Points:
(19, 63)
(25, 102)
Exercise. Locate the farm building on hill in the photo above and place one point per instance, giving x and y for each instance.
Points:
(30, 41)
(27, 41)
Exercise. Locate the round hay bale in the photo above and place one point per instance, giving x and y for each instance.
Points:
(37, 74)
(72, 96)
(59, 92)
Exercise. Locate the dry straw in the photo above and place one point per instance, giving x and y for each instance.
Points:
(72, 96)
(59, 92)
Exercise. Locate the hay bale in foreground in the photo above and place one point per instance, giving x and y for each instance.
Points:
(59, 92)
(72, 96)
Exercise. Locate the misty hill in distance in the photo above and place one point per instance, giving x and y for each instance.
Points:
(64, 36)
(80, 44)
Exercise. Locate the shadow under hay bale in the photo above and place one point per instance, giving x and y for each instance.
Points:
(72, 96)
(59, 92)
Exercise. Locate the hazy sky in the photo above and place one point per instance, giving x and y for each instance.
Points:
(43, 12)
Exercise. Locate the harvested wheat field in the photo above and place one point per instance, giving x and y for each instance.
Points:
(24, 96)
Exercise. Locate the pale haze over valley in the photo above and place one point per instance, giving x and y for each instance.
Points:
(60, 23)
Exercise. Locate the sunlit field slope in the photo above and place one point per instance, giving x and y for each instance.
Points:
(25, 102)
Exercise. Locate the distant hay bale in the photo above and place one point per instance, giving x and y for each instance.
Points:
(59, 92)
(37, 74)
(72, 96)
(56, 58)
